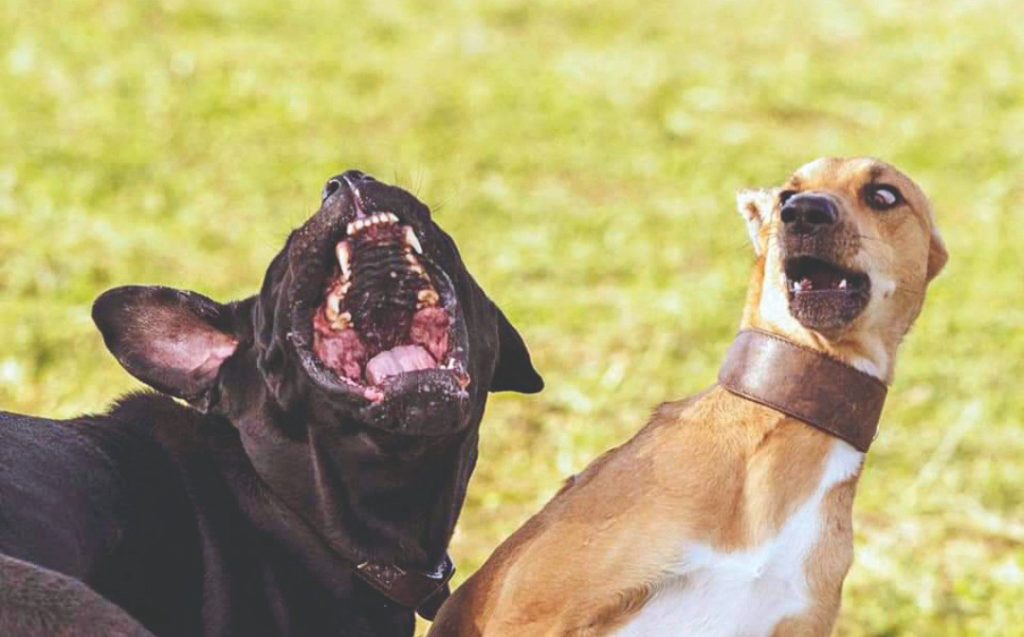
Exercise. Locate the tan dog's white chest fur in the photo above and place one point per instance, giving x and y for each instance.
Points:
(747, 592)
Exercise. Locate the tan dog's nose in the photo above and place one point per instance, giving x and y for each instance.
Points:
(806, 214)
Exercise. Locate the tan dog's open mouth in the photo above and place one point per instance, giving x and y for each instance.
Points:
(824, 295)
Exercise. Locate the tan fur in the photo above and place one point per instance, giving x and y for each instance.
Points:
(902, 246)
(827, 566)
(715, 469)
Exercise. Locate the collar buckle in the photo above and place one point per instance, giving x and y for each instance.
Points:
(423, 591)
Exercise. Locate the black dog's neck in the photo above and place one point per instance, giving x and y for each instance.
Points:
(369, 495)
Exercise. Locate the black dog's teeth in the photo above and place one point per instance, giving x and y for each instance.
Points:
(384, 293)
(381, 283)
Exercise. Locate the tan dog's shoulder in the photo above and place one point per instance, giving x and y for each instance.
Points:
(574, 566)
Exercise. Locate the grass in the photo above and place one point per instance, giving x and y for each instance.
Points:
(585, 159)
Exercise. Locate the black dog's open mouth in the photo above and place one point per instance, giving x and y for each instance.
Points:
(823, 295)
(386, 311)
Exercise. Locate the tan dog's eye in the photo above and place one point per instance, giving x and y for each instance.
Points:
(882, 197)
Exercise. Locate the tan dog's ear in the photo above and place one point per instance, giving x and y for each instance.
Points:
(755, 205)
(937, 255)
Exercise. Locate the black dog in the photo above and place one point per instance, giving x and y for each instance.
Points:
(314, 483)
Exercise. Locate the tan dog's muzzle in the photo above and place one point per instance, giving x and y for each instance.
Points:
(816, 244)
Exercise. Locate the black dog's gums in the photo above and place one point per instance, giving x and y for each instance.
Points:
(244, 512)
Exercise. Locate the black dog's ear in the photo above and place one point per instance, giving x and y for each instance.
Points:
(173, 341)
(514, 371)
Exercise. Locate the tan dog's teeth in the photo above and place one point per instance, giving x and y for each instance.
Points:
(842, 284)
(412, 240)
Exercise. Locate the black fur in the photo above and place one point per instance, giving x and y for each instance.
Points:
(243, 513)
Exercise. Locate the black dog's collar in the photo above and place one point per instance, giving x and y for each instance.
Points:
(422, 591)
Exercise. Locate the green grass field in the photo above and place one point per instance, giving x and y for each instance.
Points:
(585, 158)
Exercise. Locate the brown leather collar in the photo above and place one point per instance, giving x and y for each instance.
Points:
(422, 591)
(806, 384)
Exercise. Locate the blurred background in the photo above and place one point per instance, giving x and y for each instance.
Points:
(585, 156)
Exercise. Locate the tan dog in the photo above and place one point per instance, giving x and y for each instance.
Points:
(724, 516)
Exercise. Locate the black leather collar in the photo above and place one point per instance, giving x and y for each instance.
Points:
(422, 591)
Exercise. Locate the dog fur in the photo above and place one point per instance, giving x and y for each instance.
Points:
(722, 516)
(247, 511)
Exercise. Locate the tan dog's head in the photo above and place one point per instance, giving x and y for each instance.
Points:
(846, 249)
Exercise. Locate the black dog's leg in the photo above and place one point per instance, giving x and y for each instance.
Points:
(36, 602)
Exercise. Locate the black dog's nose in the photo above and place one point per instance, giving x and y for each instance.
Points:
(807, 213)
(352, 179)
(356, 177)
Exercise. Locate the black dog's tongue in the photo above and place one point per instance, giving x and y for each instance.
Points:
(386, 284)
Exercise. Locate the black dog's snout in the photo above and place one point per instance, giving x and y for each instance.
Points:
(356, 177)
(807, 213)
(352, 179)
